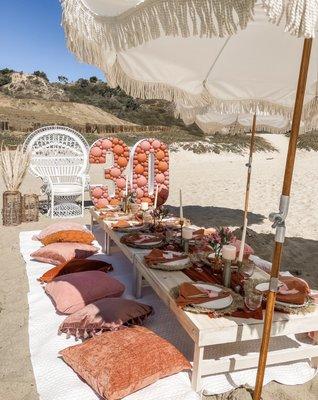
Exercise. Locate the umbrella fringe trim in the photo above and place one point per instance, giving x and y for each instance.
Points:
(203, 102)
(154, 18)
(208, 127)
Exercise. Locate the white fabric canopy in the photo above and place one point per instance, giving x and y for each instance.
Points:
(212, 122)
(255, 70)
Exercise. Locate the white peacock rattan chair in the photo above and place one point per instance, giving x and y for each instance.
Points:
(59, 156)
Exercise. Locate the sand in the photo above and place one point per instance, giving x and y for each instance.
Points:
(213, 192)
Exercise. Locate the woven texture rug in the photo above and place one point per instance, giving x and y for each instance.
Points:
(56, 381)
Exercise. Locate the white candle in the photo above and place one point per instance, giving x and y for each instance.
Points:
(229, 252)
(144, 206)
(187, 233)
(156, 197)
(181, 207)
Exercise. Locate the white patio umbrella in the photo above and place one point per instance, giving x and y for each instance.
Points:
(178, 50)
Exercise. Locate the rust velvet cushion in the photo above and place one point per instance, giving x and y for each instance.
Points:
(121, 362)
(72, 292)
(75, 265)
(104, 315)
(60, 253)
(65, 232)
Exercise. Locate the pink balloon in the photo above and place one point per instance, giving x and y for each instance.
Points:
(140, 193)
(142, 181)
(145, 145)
(96, 151)
(156, 144)
(102, 203)
(97, 192)
(160, 178)
(115, 172)
(106, 144)
(166, 182)
(121, 183)
(135, 185)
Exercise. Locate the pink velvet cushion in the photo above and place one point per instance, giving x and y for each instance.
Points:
(121, 362)
(247, 249)
(60, 253)
(104, 315)
(72, 292)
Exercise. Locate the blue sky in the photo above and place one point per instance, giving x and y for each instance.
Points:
(31, 38)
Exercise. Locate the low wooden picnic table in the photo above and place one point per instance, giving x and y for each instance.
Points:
(206, 331)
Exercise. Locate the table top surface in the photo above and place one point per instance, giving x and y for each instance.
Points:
(199, 326)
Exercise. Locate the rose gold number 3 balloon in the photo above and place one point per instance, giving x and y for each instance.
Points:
(113, 191)
(150, 168)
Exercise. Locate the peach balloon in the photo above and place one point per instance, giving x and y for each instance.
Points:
(115, 172)
(160, 178)
(142, 181)
(115, 140)
(122, 161)
(146, 199)
(141, 157)
(160, 155)
(162, 166)
(114, 202)
(118, 149)
(145, 145)
(96, 151)
(139, 169)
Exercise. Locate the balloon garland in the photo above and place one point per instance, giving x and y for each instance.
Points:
(150, 169)
(98, 152)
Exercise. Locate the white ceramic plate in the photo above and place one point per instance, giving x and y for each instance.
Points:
(264, 286)
(281, 303)
(217, 304)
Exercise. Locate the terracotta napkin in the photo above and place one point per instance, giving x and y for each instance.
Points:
(137, 238)
(294, 290)
(158, 256)
(190, 294)
(121, 224)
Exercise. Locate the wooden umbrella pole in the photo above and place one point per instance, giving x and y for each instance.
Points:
(247, 191)
(279, 218)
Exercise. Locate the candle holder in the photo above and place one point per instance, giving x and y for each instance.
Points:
(186, 243)
(227, 273)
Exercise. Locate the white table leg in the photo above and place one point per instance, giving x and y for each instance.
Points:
(138, 282)
(197, 364)
(314, 362)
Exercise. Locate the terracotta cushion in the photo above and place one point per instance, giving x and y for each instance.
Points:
(103, 315)
(65, 232)
(60, 253)
(121, 362)
(75, 265)
(72, 292)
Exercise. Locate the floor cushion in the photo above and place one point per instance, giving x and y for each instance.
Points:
(103, 315)
(75, 265)
(72, 292)
(60, 253)
(65, 232)
(121, 362)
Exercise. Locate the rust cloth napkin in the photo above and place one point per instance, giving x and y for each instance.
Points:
(293, 291)
(157, 256)
(139, 238)
(190, 294)
(121, 224)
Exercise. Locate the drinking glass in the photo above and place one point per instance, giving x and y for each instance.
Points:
(253, 300)
(246, 268)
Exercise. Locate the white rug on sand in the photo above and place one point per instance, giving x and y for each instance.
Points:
(56, 381)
